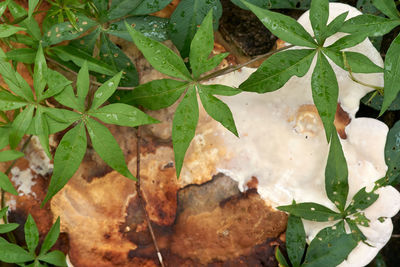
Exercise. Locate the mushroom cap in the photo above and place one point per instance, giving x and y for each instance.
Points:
(282, 143)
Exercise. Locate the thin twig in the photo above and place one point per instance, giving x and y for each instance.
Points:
(3, 201)
(142, 201)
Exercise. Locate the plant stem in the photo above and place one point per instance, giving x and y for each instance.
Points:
(3, 201)
(142, 201)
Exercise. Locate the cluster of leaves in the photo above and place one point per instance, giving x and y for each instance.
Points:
(28, 256)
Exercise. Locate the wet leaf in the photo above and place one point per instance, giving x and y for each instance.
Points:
(392, 154)
(278, 69)
(105, 91)
(325, 91)
(123, 115)
(218, 110)
(219, 89)
(284, 27)
(334, 26)
(186, 18)
(31, 234)
(357, 62)
(149, 6)
(347, 41)
(51, 237)
(6, 185)
(107, 147)
(276, 4)
(330, 247)
(369, 25)
(391, 74)
(184, 126)
(336, 173)
(160, 57)
(319, 13)
(201, 48)
(9, 101)
(295, 240)
(68, 157)
(311, 211)
(82, 85)
(156, 94)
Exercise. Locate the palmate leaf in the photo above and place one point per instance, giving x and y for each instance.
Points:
(357, 62)
(361, 200)
(9, 101)
(330, 247)
(186, 18)
(82, 85)
(295, 240)
(184, 126)
(105, 91)
(12, 253)
(334, 26)
(336, 173)
(20, 126)
(369, 25)
(107, 147)
(40, 73)
(391, 74)
(311, 211)
(319, 13)
(24, 55)
(325, 91)
(278, 69)
(285, 27)
(42, 130)
(201, 48)
(54, 257)
(31, 234)
(8, 30)
(30, 24)
(347, 41)
(51, 237)
(6, 185)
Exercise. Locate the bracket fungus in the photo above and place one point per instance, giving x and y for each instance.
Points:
(282, 143)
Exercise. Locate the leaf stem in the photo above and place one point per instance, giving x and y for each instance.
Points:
(10, 235)
(142, 201)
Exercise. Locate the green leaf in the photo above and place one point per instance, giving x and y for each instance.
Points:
(184, 126)
(330, 247)
(13, 79)
(32, 27)
(186, 18)
(107, 147)
(24, 55)
(361, 200)
(40, 73)
(375, 100)
(4, 137)
(369, 25)
(295, 240)
(347, 41)
(105, 91)
(3, 6)
(276, 4)
(9, 227)
(151, 26)
(32, 5)
(11, 253)
(392, 153)
(284, 27)
(121, 8)
(6, 185)
(278, 69)
(319, 13)
(336, 173)
(3, 212)
(123, 115)
(201, 48)
(51, 237)
(115, 57)
(325, 93)
(280, 258)
(388, 7)
(9, 101)
(9, 155)
(219, 89)
(88, 42)
(20, 126)
(157, 94)
(149, 6)
(357, 62)
(54, 257)
(355, 230)
(56, 83)
(31, 234)
(78, 56)
(7, 30)
(218, 110)
(334, 26)
(42, 131)
(82, 85)
(311, 211)
(68, 157)
(391, 74)
(159, 56)
(65, 31)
